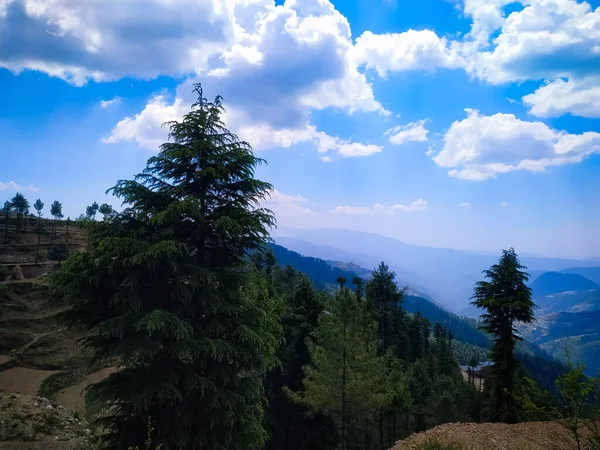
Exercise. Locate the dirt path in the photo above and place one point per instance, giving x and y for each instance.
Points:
(73, 397)
(495, 436)
(4, 359)
(22, 380)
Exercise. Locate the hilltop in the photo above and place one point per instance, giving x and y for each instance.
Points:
(492, 436)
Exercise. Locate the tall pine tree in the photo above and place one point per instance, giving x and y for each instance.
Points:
(506, 299)
(165, 288)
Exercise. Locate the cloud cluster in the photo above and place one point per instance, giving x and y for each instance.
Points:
(284, 62)
(378, 208)
(480, 147)
(12, 186)
(414, 131)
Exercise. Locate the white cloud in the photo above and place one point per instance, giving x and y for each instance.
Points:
(326, 158)
(290, 206)
(288, 61)
(545, 39)
(464, 204)
(103, 40)
(430, 151)
(414, 131)
(145, 127)
(12, 186)
(409, 50)
(512, 101)
(107, 103)
(579, 98)
(504, 204)
(418, 205)
(481, 147)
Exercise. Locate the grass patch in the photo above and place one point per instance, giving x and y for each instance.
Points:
(434, 444)
(4, 272)
(55, 382)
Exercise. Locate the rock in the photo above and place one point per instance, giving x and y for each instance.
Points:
(17, 274)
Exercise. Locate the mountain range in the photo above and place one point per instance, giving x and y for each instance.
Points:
(440, 282)
(447, 275)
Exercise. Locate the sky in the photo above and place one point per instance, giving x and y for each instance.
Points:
(470, 124)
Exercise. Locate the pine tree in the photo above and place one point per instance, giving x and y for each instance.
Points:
(6, 208)
(506, 299)
(56, 212)
(20, 206)
(345, 379)
(39, 205)
(289, 424)
(165, 287)
(384, 298)
(91, 210)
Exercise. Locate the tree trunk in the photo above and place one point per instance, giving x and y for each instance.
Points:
(344, 393)
(6, 228)
(381, 443)
(37, 249)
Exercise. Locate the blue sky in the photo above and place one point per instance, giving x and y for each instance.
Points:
(469, 124)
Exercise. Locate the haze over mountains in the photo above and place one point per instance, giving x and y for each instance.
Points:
(446, 275)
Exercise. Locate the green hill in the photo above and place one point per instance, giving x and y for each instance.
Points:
(550, 283)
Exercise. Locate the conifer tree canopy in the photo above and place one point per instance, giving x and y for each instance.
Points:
(506, 299)
(165, 289)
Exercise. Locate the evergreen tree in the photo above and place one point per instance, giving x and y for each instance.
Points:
(384, 297)
(358, 287)
(345, 379)
(91, 210)
(20, 206)
(165, 287)
(6, 208)
(67, 225)
(56, 212)
(39, 205)
(506, 299)
(289, 424)
(106, 210)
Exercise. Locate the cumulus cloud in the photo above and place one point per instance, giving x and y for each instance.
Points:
(409, 50)
(107, 103)
(109, 40)
(417, 205)
(289, 60)
(545, 39)
(414, 131)
(481, 147)
(12, 186)
(559, 97)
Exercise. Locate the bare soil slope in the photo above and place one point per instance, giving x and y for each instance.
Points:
(494, 436)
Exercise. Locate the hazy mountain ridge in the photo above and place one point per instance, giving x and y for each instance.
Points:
(447, 275)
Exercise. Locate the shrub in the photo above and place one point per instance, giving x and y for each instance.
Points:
(4, 272)
(58, 251)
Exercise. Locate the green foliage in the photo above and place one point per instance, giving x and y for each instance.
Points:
(6, 208)
(536, 403)
(506, 299)
(58, 251)
(20, 206)
(345, 379)
(91, 210)
(580, 402)
(4, 272)
(39, 205)
(54, 383)
(56, 209)
(165, 288)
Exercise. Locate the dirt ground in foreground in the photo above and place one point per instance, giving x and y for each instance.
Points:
(495, 436)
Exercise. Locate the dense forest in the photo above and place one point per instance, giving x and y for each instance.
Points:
(223, 344)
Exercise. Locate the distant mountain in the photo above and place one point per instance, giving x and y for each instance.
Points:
(323, 274)
(591, 273)
(449, 275)
(569, 301)
(578, 332)
(550, 283)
